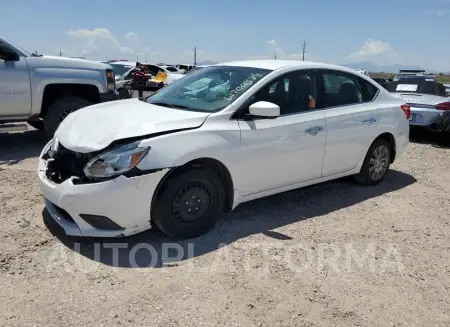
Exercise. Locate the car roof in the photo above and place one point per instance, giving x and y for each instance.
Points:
(274, 64)
(123, 63)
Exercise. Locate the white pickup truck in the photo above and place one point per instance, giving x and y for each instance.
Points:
(43, 90)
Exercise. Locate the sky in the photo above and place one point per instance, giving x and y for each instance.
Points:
(384, 32)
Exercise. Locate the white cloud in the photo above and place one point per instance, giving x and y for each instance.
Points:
(131, 36)
(371, 50)
(100, 43)
(276, 49)
(436, 12)
(97, 42)
(379, 52)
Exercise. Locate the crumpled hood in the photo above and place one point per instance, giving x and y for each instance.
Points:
(94, 128)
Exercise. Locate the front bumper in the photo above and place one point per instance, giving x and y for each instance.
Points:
(108, 96)
(124, 201)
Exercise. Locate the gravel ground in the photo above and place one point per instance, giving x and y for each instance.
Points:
(335, 254)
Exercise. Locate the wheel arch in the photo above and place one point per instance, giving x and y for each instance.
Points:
(214, 164)
(391, 140)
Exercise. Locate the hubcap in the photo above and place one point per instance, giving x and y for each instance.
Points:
(190, 203)
(379, 162)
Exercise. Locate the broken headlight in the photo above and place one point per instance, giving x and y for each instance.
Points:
(116, 161)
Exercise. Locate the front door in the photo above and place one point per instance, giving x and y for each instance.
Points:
(289, 149)
(15, 93)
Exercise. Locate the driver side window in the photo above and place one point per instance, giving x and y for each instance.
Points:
(294, 92)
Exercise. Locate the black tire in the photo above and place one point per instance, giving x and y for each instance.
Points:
(370, 175)
(189, 203)
(60, 109)
(124, 94)
(37, 124)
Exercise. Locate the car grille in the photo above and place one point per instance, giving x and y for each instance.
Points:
(101, 222)
(67, 164)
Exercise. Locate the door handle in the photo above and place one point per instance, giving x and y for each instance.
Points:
(369, 121)
(314, 130)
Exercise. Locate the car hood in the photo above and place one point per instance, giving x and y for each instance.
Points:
(94, 128)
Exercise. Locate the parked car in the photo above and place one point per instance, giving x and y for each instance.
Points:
(184, 68)
(177, 159)
(447, 89)
(125, 70)
(362, 71)
(409, 72)
(43, 90)
(384, 82)
(426, 97)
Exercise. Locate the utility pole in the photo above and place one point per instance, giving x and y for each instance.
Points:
(275, 55)
(195, 56)
(304, 49)
(60, 53)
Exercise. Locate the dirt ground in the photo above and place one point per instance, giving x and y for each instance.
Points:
(335, 254)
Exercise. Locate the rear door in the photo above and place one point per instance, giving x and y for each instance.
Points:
(352, 118)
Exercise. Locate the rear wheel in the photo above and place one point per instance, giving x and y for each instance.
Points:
(376, 163)
(189, 203)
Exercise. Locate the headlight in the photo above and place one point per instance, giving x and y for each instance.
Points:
(115, 162)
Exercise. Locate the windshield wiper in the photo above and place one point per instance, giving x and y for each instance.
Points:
(168, 105)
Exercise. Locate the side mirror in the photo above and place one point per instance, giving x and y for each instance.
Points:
(7, 54)
(264, 109)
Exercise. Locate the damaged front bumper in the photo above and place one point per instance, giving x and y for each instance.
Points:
(113, 208)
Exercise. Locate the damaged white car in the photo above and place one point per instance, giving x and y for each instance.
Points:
(218, 137)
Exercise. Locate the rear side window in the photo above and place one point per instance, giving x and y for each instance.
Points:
(370, 91)
(341, 90)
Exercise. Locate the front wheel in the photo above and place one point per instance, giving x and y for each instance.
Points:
(189, 203)
(60, 109)
(376, 163)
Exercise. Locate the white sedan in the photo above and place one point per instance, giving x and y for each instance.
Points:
(178, 158)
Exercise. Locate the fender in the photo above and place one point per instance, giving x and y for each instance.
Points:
(168, 152)
(41, 77)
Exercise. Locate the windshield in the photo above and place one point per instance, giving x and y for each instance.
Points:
(24, 52)
(209, 89)
(120, 69)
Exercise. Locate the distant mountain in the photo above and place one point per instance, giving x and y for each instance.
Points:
(206, 62)
(375, 68)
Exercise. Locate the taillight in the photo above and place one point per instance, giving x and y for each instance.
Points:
(110, 80)
(407, 110)
(443, 106)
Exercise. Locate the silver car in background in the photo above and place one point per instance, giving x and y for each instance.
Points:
(426, 97)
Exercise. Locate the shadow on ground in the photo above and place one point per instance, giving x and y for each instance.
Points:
(16, 147)
(426, 136)
(255, 217)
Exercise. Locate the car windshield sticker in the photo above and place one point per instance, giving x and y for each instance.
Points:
(246, 83)
(406, 87)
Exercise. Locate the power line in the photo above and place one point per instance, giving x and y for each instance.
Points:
(304, 50)
(195, 56)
